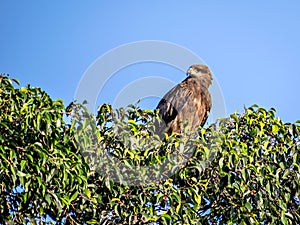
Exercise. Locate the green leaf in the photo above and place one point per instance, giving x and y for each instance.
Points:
(21, 174)
(38, 121)
(29, 157)
(16, 81)
(23, 164)
(166, 216)
(48, 199)
(197, 198)
(248, 206)
(284, 220)
(178, 207)
(87, 192)
(275, 129)
(74, 196)
(92, 221)
(176, 197)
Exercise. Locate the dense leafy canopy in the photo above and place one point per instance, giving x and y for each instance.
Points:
(112, 169)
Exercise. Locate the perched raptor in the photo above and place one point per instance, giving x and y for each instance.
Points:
(188, 102)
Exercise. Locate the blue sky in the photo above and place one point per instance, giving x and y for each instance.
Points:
(253, 47)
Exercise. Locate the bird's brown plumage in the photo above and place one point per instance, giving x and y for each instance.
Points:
(189, 102)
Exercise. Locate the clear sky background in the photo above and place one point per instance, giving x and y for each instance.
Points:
(252, 47)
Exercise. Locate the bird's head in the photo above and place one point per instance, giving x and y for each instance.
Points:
(201, 72)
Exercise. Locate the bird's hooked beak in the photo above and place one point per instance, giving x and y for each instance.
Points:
(188, 72)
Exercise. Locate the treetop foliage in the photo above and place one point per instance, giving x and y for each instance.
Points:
(112, 168)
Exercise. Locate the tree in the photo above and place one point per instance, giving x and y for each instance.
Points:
(112, 169)
(42, 173)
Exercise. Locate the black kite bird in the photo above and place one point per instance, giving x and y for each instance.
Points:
(189, 102)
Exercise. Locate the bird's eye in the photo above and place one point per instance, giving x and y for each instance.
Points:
(201, 70)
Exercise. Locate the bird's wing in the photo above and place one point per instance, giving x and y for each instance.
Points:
(172, 104)
(186, 101)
